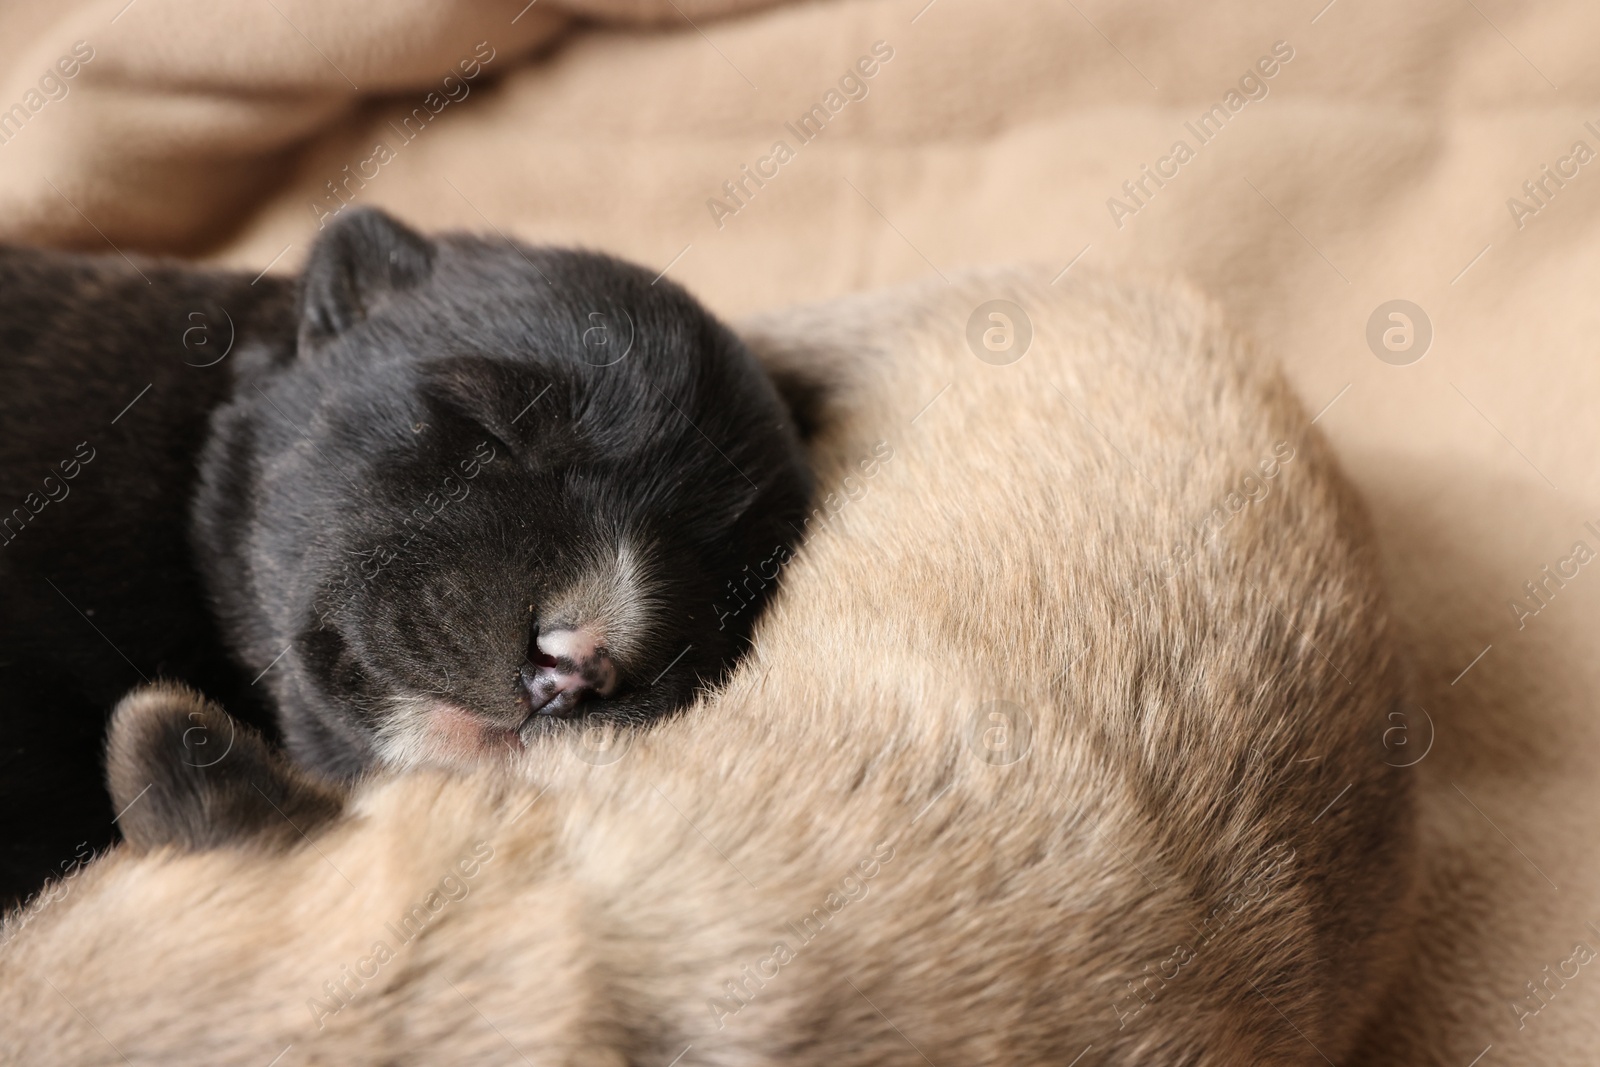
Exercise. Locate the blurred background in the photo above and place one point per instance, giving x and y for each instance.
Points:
(1402, 202)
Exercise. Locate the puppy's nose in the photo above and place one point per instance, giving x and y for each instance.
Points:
(563, 668)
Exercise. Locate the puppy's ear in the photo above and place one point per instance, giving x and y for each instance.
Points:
(363, 259)
(184, 773)
(805, 396)
(810, 375)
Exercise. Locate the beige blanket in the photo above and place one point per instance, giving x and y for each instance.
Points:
(1309, 165)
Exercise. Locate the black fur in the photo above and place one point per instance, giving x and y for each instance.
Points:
(386, 516)
(98, 590)
(402, 458)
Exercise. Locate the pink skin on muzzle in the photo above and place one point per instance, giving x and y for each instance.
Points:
(569, 666)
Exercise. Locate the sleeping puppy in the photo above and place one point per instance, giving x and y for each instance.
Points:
(437, 497)
(497, 487)
(1061, 742)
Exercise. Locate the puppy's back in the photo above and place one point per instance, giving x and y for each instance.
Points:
(1099, 651)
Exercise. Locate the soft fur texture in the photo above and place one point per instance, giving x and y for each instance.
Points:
(1391, 152)
(480, 447)
(186, 774)
(108, 373)
(1178, 842)
(440, 491)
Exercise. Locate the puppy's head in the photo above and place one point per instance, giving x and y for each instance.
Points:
(498, 487)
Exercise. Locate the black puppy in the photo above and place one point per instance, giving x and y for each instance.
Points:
(497, 485)
(451, 492)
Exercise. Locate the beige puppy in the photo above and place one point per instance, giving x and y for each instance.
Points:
(1061, 743)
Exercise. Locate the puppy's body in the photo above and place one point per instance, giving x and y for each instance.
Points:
(107, 378)
(1037, 758)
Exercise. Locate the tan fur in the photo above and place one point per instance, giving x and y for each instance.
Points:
(1205, 769)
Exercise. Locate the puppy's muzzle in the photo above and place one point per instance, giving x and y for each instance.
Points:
(564, 668)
